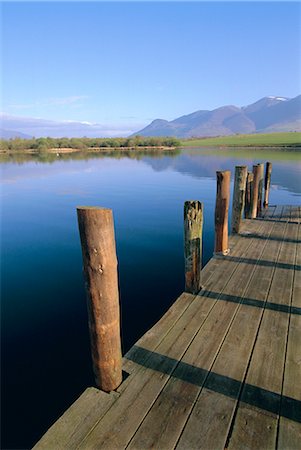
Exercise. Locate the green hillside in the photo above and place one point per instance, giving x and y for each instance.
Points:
(292, 139)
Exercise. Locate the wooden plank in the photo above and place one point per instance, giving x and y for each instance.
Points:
(216, 409)
(289, 434)
(167, 417)
(77, 421)
(156, 334)
(141, 390)
(67, 422)
(254, 427)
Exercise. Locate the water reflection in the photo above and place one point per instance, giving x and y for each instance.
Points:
(43, 299)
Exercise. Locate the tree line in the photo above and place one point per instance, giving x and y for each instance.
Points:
(44, 144)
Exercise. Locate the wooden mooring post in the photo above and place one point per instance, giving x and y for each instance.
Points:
(260, 189)
(221, 212)
(267, 184)
(193, 231)
(254, 196)
(96, 229)
(238, 197)
(248, 195)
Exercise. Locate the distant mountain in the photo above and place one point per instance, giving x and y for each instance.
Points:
(269, 114)
(13, 126)
(11, 134)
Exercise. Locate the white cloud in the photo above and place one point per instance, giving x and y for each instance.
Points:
(69, 128)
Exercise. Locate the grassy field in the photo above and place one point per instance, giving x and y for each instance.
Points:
(248, 140)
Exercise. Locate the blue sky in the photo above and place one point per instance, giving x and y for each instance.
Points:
(124, 64)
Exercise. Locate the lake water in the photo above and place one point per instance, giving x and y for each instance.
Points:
(45, 344)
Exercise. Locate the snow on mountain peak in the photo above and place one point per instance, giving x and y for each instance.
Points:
(282, 99)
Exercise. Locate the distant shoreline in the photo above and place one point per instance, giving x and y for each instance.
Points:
(32, 151)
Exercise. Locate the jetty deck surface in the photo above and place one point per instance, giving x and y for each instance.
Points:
(221, 369)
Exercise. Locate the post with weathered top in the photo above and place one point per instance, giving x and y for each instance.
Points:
(248, 196)
(254, 197)
(267, 183)
(221, 212)
(193, 229)
(238, 197)
(260, 189)
(96, 229)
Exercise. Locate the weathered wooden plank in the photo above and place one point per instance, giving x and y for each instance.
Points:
(254, 427)
(69, 430)
(117, 427)
(292, 379)
(210, 276)
(239, 246)
(289, 434)
(178, 396)
(216, 409)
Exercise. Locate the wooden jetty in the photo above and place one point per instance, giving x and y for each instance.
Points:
(221, 369)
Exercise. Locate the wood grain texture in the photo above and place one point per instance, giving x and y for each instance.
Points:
(193, 240)
(221, 369)
(267, 363)
(239, 193)
(70, 429)
(96, 229)
(248, 197)
(221, 212)
(267, 183)
(255, 190)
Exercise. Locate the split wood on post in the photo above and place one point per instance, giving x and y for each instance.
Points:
(96, 229)
(267, 183)
(193, 229)
(221, 212)
(248, 196)
(260, 189)
(254, 197)
(238, 197)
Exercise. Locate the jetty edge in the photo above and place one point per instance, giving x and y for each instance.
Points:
(221, 368)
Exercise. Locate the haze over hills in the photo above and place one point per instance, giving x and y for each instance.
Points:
(28, 127)
(267, 115)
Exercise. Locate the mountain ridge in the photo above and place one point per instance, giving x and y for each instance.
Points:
(268, 114)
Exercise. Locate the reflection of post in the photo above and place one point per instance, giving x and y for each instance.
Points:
(254, 197)
(193, 228)
(238, 197)
(249, 188)
(260, 189)
(221, 212)
(96, 229)
(267, 183)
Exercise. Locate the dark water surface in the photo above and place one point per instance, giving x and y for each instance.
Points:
(45, 343)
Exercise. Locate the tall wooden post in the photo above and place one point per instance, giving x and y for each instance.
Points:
(238, 197)
(260, 189)
(221, 212)
(267, 183)
(96, 229)
(254, 197)
(249, 190)
(193, 229)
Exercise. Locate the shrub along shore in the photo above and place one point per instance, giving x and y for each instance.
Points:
(69, 145)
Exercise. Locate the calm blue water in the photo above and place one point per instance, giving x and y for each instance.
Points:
(45, 343)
